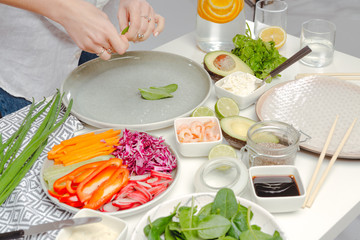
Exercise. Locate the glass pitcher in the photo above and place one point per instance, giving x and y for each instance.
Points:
(217, 23)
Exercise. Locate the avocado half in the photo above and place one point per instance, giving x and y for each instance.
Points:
(235, 130)
(220, 63)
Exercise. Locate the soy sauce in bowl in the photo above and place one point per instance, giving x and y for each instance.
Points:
(276, 186)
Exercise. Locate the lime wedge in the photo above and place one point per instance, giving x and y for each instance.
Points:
(226, 107)
(202, 111)
(222, 150)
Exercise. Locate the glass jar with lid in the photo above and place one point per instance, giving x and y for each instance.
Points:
(271, 143)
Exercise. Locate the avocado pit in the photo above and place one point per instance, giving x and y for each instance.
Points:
(224, 62)
(220, 63)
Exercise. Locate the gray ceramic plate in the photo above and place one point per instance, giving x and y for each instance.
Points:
(106, 94)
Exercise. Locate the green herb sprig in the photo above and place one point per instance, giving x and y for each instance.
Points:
(262, 57)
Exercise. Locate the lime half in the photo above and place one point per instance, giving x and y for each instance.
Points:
(226, 107)
(202, 112)
(222, 150)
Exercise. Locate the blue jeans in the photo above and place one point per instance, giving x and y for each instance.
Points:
(86, 56)
(9, 103)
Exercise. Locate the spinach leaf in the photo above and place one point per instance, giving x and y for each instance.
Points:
(254, 232)
(227, 238)
(255, 235)
(225, 203)
(176, 231)
(168, 88)
(155, 229)
(204, 211)
(155, 93)
(239, 221)
(213, 226)
(169, 235)
(188, 220)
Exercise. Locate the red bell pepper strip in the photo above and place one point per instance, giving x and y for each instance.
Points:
(88, 186)
(69, 187)
(54, 194)
(60, 184)
(107, 189)
(88, 189)
(71, 200)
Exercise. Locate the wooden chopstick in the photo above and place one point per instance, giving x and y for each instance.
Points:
(320, 160)
(343, 76)
(331, 163)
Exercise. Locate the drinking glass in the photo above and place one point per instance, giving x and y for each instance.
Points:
(319, 35)
(269, 13)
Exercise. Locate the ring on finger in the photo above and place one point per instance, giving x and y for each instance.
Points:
(101, 52)
(109, 51)
(147, 18)
(140, 36)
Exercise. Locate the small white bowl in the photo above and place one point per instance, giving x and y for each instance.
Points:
(117, 225)
(243, 101)
(196, 149)
(278, 203)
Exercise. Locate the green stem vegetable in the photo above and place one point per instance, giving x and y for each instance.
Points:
(18, 166)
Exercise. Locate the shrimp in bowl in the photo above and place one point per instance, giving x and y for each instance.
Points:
(195, 136)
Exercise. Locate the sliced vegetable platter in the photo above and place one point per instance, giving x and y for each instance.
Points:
(133, 177)
(260, 217)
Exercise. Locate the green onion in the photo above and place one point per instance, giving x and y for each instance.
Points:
(18, 163)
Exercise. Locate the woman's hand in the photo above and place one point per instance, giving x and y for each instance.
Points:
(91, 29)
(142, 19)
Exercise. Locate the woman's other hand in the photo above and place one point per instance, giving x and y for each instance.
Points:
(142, 19)
(91, 29)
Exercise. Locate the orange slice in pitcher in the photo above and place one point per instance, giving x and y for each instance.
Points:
(219, 11)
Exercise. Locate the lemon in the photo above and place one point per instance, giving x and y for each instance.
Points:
(226, 107)
(222, 150)
(202, 111)
(274, 33)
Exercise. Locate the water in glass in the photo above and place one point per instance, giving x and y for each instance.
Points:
(218, 21)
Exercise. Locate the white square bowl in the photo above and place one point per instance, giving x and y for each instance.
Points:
(196, 149)
(243, 101)
(115, 224)
(280, 203)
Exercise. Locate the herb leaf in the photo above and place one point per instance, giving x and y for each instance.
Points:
(188, 221)
(213, 226)
(262, 57)
(155, 93)
(168, 88)
(225, 203)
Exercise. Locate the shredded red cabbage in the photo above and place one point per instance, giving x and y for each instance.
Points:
(142, 153)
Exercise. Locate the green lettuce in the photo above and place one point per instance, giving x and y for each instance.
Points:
(262, 57)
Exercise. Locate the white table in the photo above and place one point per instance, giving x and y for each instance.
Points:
(338, 202)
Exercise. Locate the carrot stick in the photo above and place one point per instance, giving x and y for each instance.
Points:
(91, 155)
(84, 147)
(76, 139)
(85, 152)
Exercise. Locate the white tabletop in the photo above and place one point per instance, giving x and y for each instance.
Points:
(337, 203)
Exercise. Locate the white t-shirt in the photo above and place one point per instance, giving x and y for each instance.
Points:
(36, 54)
